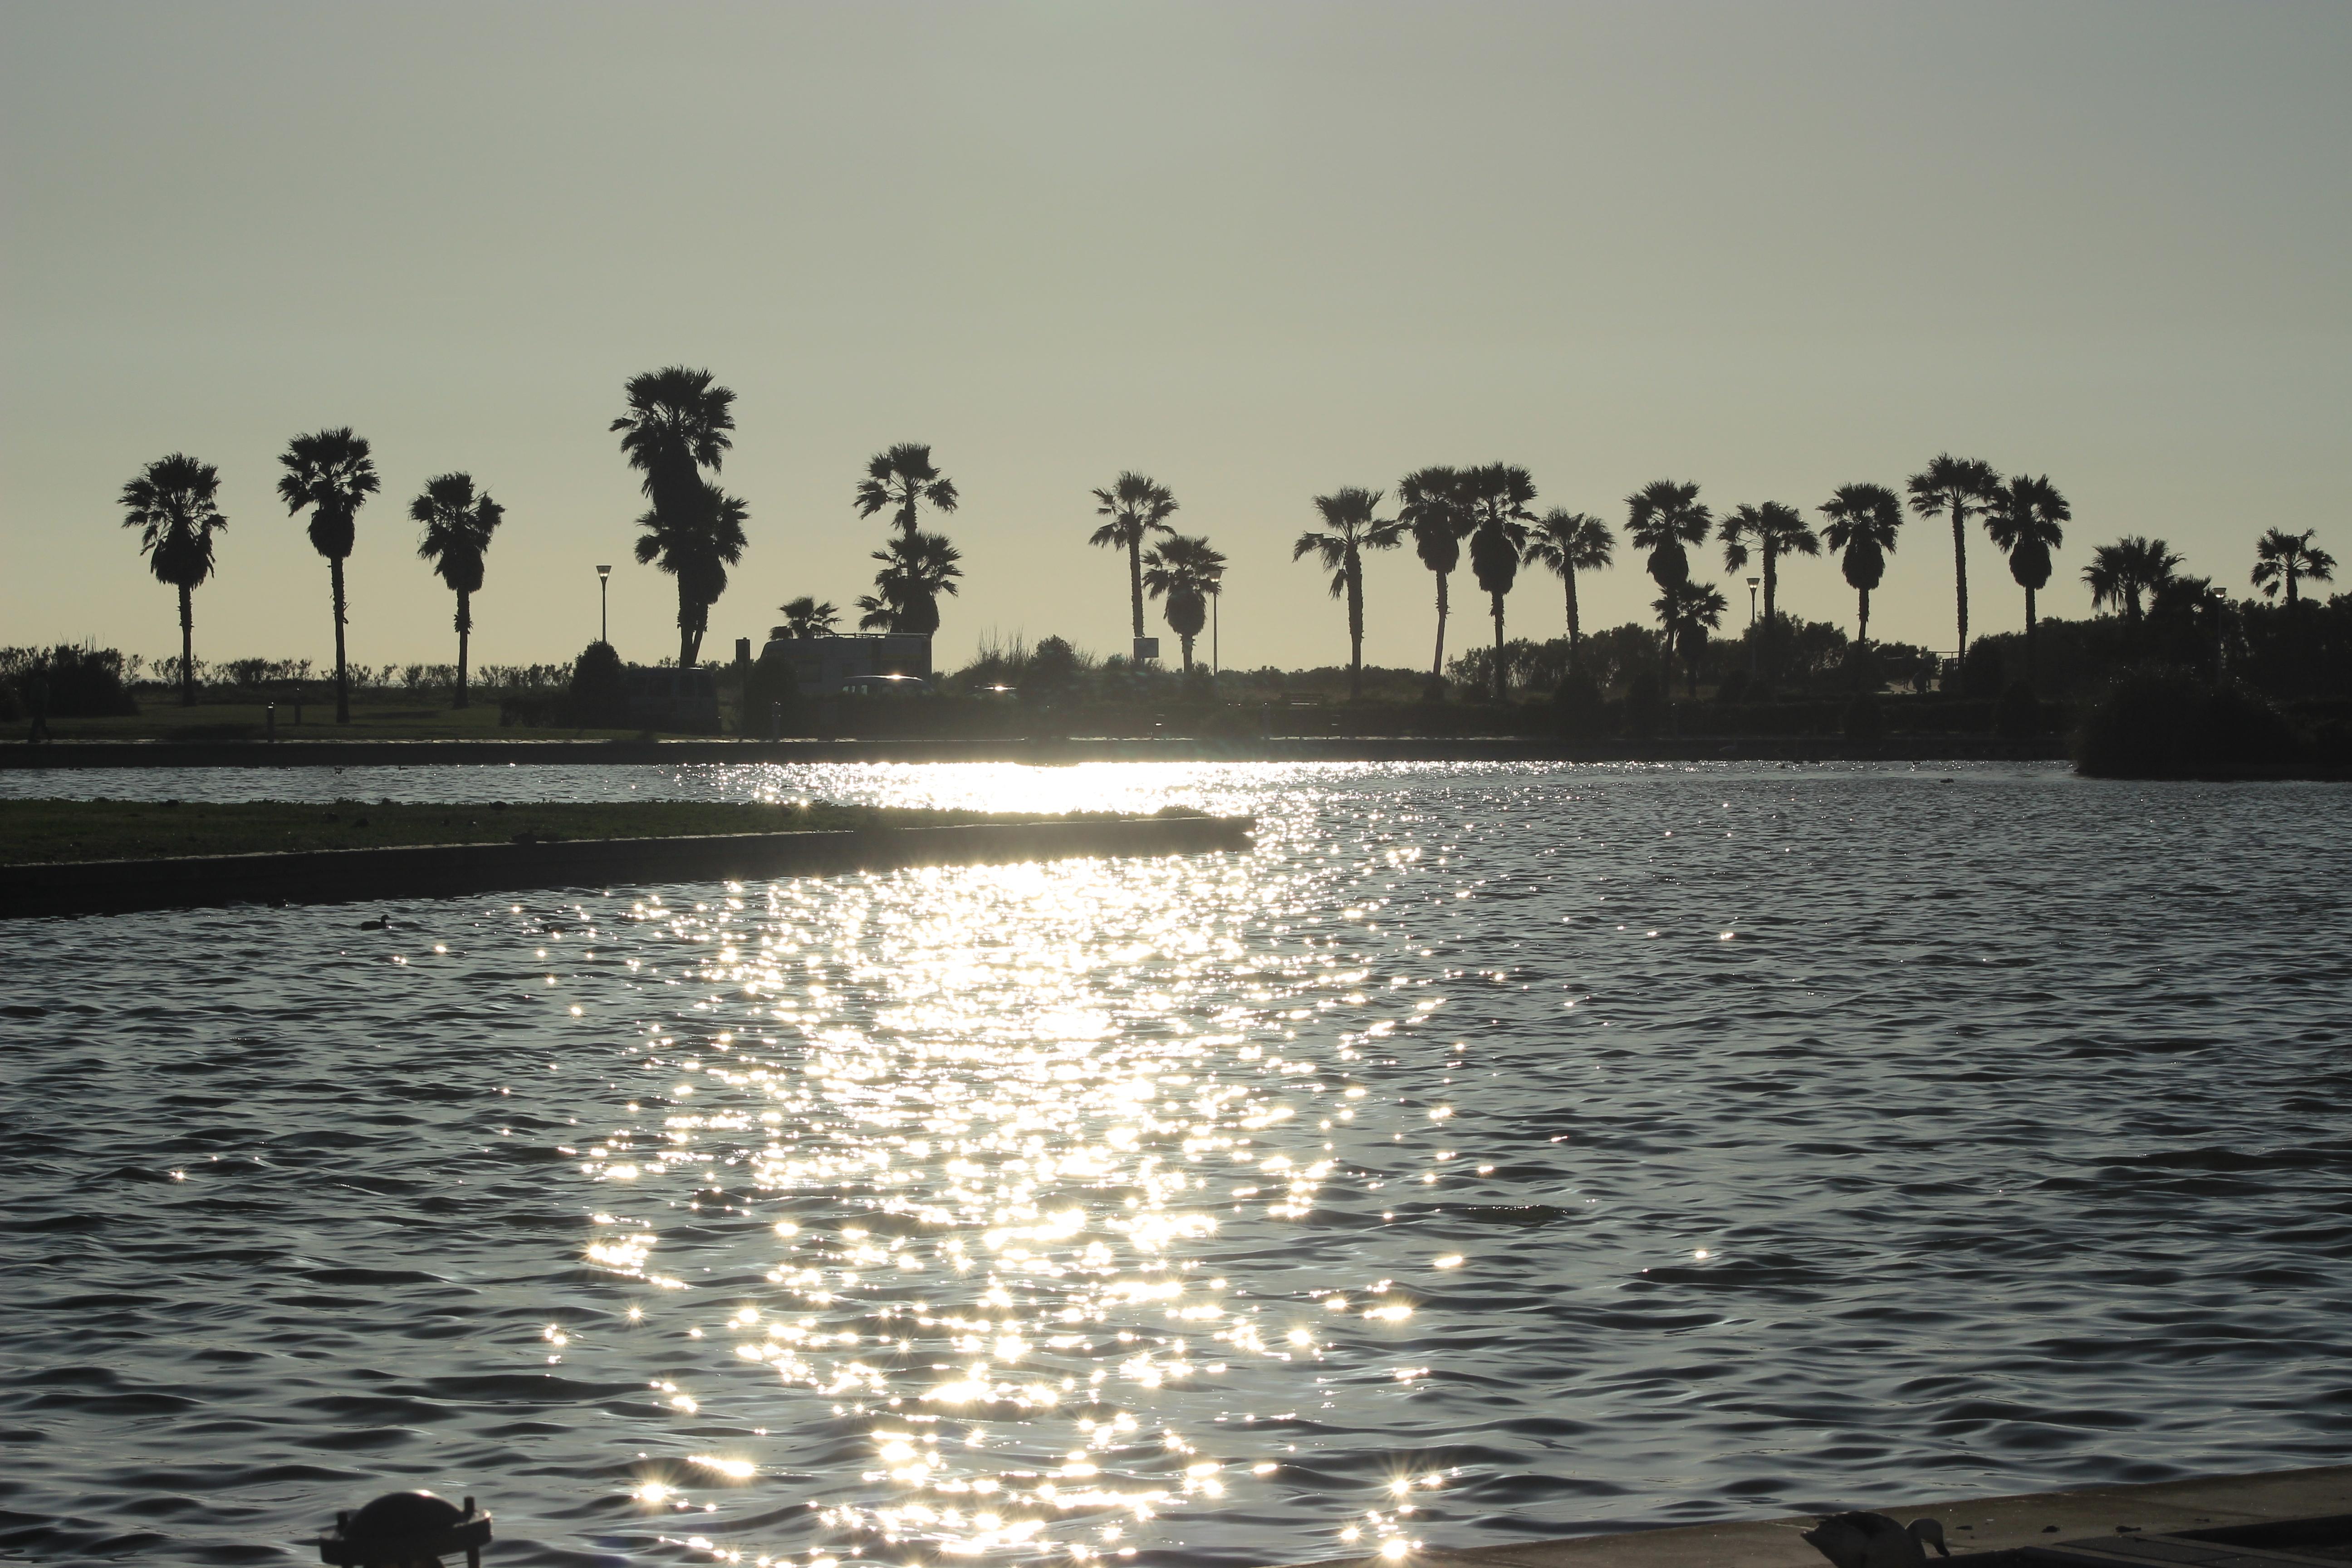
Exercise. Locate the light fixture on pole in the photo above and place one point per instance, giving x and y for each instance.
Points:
(604, 604)
(1216, 595)
(1752, 583)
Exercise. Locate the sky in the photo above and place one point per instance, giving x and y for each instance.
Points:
(1257, 251)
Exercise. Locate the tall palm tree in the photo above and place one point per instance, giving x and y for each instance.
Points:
(901, 479)
(1185, 571)
(172, 502)
(1775, 530)
(1960, 489)
(2025, 520)
(2283, 558)
(917, 568)
(1689, 611)
(2119, 573)
(1137, 507)
(1665, 517)
(678, 424)
(1430, 505)
(805, 617)
(458, 527)
(1349, 529)
(1569, 542)
(1863, 522)
(331, 472)
(695, 539)
(1497, 495)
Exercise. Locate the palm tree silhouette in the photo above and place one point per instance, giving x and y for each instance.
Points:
(173, 503)
(1136, 507)
(1689, 611)
(1569, 542)
(2287, 559)
(331, 472)
(901, 479)
(2025, 520)
(917, 568)
(1429, 503)
(2122, 571)
(1664, 517)
(1183, 571)
(678, 425)
(805, 617)
(1863, 522)
(1349, 529)
(458, 527)
(1497, 495)
(1960, 489)
(695, 539)
(1774, 530)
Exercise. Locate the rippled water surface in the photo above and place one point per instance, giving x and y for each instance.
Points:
(1497, 1152)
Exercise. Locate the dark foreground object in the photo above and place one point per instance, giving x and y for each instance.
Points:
(444, 871)
(403, 1528)
(2273, 1521)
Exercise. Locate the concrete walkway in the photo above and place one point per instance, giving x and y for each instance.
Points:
(1982, 1525)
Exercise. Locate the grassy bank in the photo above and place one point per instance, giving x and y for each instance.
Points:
(45, 832)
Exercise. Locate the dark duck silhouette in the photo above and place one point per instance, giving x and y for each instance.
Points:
(1875, 1540)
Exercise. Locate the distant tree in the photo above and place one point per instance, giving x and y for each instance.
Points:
(332, 473)
(2119, 573)
(1863, 522)
(1960, 489)
(173, 504)
(1774, 530)
(458, 527)
(900, 481)
(1430, 505)
(2026, 520)
(917, 568)
(1569, 542)
(1183, 571)
(678, 424)
(1689, 611)
(1665, 517)
(1138, 508)
(805, 617)
(1497, 495)
(1350, 528)
(695, 539)
(2283, 558)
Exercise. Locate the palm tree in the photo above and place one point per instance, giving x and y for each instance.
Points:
(678, 425)
(1689, 611)
(1664, 517)
(1497, 496)
(1960, 489)
(2280, 557)
(330, 472)
(1185, 571)
(1137, 507)
(1863, 522)
(2025, 518)
(1775, 530)
(2120, 573)
(917, 568)
(1349, 529)
(1429, 503)
(805, 617)
(1569, 542)
(458, 527)
(901, 479)
(695, 539)
(172, 502)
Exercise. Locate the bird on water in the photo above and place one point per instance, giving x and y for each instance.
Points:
(1875, 1540)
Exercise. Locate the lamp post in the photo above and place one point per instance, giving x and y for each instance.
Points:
(604, 604)
(1216, 595)
(1752, 583)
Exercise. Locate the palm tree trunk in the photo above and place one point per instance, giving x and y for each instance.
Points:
(1862, 632)
(1135, 582)
(465, 625)
(1355, 628)
(2029, 636)
(1186, 638)
(343, 681)
(187, 646)
(686, 639)
(1575, 628)
(1961, 573)
(2290, 590)
(1771, 601)
(1437, 660)
(1502, 675)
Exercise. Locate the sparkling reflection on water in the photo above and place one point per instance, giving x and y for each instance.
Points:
(1499, 1151)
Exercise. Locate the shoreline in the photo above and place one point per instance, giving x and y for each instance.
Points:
(68, 888)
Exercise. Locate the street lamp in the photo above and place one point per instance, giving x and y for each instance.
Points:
(604, 604)
(1752, 583)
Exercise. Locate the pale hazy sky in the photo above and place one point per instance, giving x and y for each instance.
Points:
(1257, 251)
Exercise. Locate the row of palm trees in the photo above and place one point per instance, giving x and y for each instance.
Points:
(174, 502)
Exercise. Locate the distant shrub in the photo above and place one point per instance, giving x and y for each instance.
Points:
(1578, 708)
(1864, 718)
(2164, 721)
(771, 695)
(599, 697)
(75, 682)
(1645, 705)
(2018, 713)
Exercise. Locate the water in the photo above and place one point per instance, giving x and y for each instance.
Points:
(1498, 1151)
